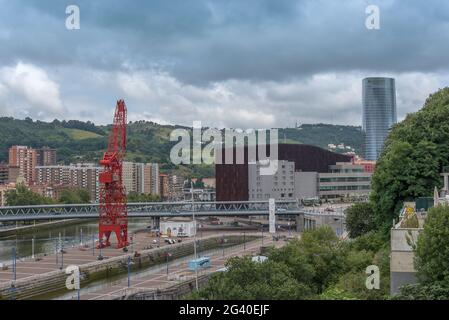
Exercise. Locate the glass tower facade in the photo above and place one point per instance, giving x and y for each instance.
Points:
(379, 114)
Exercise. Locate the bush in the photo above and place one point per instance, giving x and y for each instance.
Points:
(415, 152)
(432, 250)
(359, 219)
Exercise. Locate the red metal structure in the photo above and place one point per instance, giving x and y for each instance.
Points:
(113, 211)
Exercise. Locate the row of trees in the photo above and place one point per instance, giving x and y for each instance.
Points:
(415, 153)
(318, 266)
(23, 196)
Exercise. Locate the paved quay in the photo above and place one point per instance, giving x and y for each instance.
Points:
(77, 255)
(159, 279)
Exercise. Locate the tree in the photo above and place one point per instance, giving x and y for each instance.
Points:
(248, 280)
(74, 195)
(22, 196)
(423, 292)
(359, 219)
(142, 197)
(316, 259)
(432, 249)
(415, 152)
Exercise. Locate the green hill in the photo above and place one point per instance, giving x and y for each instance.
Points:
(147, 141)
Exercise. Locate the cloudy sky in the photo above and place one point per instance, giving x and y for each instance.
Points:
(227, 63)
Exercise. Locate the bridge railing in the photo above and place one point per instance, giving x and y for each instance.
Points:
(144, 208)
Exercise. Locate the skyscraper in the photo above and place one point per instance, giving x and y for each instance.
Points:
(379, 114)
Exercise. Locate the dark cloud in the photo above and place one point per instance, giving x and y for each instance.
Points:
(203, 41)
(278, 60)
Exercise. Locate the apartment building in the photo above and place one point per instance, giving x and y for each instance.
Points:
(141, 177)
(81, 175)
(26, 159)
(46, 156)
(8, 174)
(164, 186)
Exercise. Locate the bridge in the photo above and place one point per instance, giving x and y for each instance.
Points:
(150, 209)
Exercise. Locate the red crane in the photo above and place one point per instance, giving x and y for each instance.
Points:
(113, 211)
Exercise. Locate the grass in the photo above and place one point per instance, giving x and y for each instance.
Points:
(78, 134)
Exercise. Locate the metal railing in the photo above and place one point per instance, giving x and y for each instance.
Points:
(149, 209)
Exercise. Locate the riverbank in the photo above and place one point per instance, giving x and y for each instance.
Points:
(43, 286)
(27, 229)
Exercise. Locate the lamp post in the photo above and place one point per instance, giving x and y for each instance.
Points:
(62, 256)
(14, 264)
(129, 271)
(93, 245)
(244, 241)
(56, 252)
(167, 256)
(194, 235)
(32, 248)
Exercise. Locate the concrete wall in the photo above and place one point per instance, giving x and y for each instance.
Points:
(402, 269)
(306, 184)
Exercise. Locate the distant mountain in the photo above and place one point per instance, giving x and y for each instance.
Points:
(147, 141)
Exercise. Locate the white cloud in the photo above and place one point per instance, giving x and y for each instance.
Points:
(325, 97)
(333, 97)
(30, 91)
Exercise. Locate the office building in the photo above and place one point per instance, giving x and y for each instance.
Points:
(345, 179)
(379, 114)
(296, 177)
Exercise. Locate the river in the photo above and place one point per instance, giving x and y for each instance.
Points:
(46, 240)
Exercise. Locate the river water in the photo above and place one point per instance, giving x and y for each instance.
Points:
(47, 240)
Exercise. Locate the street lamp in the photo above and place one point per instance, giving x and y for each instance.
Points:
(194, 235)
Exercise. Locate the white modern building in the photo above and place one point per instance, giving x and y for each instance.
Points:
(176, 227)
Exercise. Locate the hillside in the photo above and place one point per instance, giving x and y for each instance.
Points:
(147, 141)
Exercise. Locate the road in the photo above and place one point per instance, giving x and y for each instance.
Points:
(159, 279)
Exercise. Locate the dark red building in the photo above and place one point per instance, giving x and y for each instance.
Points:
(232, 179)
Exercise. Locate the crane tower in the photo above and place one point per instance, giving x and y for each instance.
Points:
(112, 208)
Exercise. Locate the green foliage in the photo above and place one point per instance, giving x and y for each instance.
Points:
(315, 259)
(359, 219)
(435, 291)
(147, 141)
(410, 222)
(74, 195)
(318, 265)
(247, 280)
(351, 281)
(135, 197)
(415, 153)
(432, 250)
(23, 196)
(371, 241)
